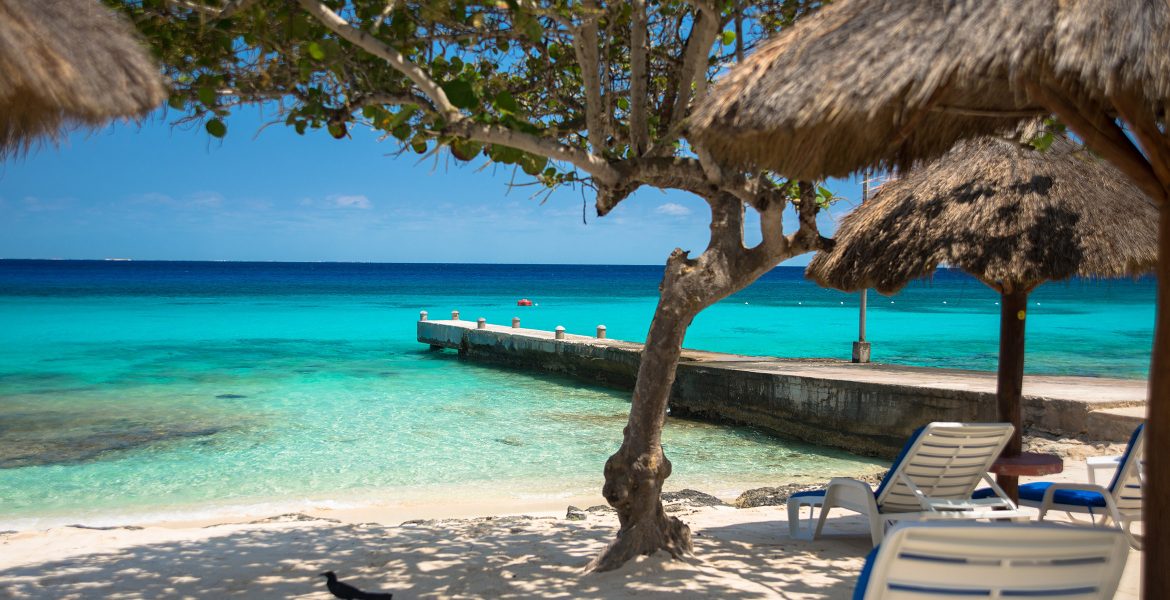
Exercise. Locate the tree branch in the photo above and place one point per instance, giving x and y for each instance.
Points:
(457, 122)
(392, 57)
(704, 30)
(585, 46)
(639, 78)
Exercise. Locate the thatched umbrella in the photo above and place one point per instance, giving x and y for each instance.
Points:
(892, 82)
(65, 63)
(1007, 214)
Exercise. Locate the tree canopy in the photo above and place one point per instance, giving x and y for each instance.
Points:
(581, 93)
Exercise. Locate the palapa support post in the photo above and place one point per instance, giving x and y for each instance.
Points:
(481, 323)
(515, 322)
(559, 333)
(1010, 377)
(601, 332)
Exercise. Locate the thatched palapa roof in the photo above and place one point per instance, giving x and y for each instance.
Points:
(69, 62)
(891, 82)
(1001, 211)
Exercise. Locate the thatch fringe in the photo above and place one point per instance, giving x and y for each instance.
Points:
(892, 105)
(67, 63)
(1001, 211)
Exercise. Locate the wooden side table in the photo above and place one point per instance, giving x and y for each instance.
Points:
(1009, 469)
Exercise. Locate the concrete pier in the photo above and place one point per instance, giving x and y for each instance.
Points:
(865, 408)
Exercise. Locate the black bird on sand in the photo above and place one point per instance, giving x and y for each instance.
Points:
(348, 592)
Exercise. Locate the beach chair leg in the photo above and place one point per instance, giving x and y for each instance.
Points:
(877, 527)
(821, 521)
(794, 528)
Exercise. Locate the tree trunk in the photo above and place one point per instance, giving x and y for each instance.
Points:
(1010, 379)
(1156, 577)
(634, 475)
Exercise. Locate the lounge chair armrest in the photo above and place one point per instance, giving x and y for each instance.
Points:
(1101, 463)
(1050, 493)
(849, 482)
(850, 493)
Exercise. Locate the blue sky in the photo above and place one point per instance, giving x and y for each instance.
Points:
(158, 192)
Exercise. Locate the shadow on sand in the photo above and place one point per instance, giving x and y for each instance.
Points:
(506, 557)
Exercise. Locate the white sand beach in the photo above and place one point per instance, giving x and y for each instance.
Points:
(739, 553)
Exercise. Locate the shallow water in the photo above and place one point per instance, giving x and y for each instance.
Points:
(162, 387)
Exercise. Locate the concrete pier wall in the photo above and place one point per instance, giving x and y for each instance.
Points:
(863, 408)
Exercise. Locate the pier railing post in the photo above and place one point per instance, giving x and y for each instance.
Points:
(481, 323)
(422, 315)
(601, 332)
(515, 322)
(560, 333)
(454, 315)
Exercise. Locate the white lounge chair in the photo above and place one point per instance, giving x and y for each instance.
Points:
(937, 561)
(1119, 503)
(932, 478)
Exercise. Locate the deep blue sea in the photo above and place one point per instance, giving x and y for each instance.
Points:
(146, 388)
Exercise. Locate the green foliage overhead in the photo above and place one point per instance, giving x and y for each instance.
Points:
(507, 64)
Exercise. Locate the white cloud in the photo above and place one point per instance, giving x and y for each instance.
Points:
(357, 201)
(672, 209)
(205, 200)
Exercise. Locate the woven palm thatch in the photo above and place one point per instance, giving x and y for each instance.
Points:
(1002, 211)
(65, 63)
(892, 82)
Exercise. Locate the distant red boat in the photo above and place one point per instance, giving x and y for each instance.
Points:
(524, 302)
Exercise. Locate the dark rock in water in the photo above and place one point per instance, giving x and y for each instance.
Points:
(575, 514)
(36, 446)
(510, 441)
(691, 498)
(230, 396)
(772, 496)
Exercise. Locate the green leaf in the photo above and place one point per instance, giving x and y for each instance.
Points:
(465, 149)
(176, 102)
(460, 93)
(216, 128)
(207, 96)
(315, 51)
(623, 103)
(533, 164)
(728, 38)
(506, 104)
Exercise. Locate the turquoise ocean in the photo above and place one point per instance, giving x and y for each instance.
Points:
(134, 390)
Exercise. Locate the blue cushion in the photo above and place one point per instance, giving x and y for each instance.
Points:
(863, 580)
(808, 494)
(1035, 493)
(1128, 449)
(983, 493)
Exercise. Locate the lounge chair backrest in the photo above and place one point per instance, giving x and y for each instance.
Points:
(994, 560)
(944, 461)
(1128, 481)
